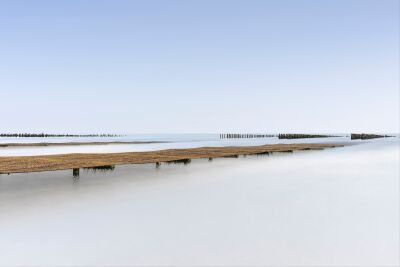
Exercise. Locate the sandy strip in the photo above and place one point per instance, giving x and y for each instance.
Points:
(71, 161)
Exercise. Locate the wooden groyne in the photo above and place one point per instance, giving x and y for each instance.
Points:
(55, 135)
(301, 136)
(236, 135)
(364, 136)
(22, 164)
(280, 136)
(79, 143)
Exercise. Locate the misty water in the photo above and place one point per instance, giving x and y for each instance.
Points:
(162, 141)
(336, 207)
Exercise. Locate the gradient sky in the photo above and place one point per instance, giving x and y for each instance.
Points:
(199, 66)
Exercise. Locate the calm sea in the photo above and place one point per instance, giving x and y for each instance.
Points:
(336, 207)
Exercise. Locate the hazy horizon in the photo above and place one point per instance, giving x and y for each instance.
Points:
(199, 66)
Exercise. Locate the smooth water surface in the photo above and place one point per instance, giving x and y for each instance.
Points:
(336, 207)
(167, 141)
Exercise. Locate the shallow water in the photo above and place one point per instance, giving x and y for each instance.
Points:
(336, 207)
(171, 141)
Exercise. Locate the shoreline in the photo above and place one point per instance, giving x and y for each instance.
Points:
(2, 145)
(25, 164)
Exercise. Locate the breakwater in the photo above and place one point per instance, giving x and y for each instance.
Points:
(55, 135)
(364, 136)
(301, 136)
(237, 135)
(82, 160)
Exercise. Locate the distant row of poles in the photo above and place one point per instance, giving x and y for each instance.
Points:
(301, 136)
(280, 136)
(235, 135)
(55, 135)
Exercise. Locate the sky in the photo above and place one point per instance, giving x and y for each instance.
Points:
(199, 66)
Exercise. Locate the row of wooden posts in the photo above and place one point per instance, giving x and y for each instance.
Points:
(364, 136)
(55, 135)
(280, 136)
(300, 136)
(236, 135)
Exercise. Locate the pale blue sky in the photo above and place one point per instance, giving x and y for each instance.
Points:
(199, 66)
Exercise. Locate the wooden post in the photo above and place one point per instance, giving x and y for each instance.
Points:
(75, 172)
